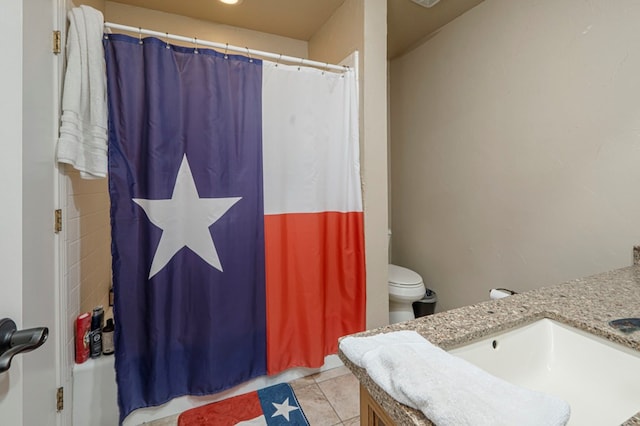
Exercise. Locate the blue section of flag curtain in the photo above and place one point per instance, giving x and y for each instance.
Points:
(189, 329)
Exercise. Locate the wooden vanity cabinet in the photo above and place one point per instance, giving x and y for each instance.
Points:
(371, 414)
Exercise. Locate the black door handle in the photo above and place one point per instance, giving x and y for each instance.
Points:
(13, 342)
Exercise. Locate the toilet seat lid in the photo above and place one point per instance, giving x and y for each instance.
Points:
(403, 276)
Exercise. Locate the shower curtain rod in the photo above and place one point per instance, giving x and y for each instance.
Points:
(250, 52)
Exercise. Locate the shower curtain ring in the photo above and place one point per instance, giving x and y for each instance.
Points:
(278, 60)
(140, 35)
(225, 51)
(195, 41)
(167, 37)
(301, 63)
(249, 54)
(326, 67)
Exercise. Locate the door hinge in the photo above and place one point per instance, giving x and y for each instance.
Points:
(58, 220)
(56, 42)
(60, 399)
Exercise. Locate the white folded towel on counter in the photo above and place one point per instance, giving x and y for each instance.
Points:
(356, 347)
(448, 389)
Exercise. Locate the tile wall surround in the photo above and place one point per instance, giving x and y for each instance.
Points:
(88, 245)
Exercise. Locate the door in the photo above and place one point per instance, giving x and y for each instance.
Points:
(10, 193)
(28, 246)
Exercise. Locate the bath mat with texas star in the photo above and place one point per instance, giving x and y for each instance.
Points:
(275, 405)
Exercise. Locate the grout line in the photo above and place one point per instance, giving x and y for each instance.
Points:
(329, 402)
(325, 398)
(315, 376)
(352, 418)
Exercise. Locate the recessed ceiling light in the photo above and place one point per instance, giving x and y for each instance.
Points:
(231, 1)
(425, 3)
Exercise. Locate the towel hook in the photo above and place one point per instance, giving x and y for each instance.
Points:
(195, 41)
(167, 37)
(225, 51)
(249, 54)
(140, 36)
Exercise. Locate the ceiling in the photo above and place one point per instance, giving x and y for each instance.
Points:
(408, 23)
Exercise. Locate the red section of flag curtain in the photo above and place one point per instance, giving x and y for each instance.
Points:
(315, 285)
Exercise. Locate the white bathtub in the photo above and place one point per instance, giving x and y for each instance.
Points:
(94, 392)
(95, 403)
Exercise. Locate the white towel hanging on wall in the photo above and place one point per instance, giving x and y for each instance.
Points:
(83, 131)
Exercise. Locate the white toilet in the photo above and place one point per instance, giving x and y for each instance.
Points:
(405, 287)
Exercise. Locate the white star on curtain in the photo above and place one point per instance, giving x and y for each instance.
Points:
(185, 220)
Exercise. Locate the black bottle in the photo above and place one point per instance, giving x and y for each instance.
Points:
(107, 338)
(95, 336)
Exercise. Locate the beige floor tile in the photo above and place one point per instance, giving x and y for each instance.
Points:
(302, 382)
(330, 374)
(316, 407)
(343, 393)
(352, 422)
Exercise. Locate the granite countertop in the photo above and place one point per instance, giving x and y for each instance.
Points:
(586, 303)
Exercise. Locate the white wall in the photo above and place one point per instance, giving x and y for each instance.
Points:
(515, 148)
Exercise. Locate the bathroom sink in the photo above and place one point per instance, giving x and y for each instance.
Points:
(598, 378)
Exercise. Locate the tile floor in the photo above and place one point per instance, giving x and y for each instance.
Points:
(330, 398)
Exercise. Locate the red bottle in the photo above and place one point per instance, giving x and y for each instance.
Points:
(83, 329)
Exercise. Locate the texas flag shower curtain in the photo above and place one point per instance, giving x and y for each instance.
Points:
(236, 214)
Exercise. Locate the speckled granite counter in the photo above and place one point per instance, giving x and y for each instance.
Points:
(586, 303)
